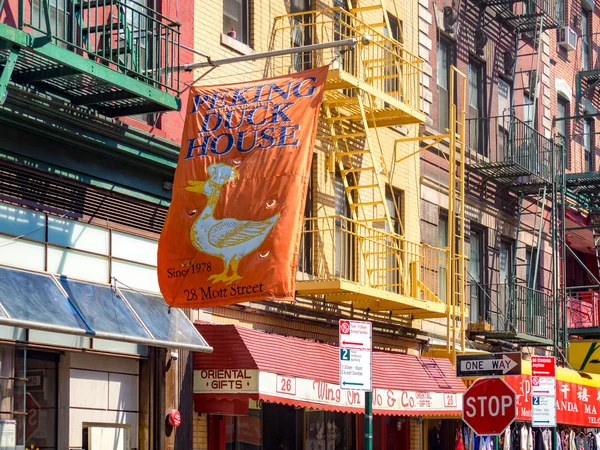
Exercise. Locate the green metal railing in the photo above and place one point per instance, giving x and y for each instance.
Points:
(516, 308)
(125, 35)
(507, 142)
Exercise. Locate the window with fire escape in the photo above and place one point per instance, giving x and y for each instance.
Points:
(562, 111)
(476, 103)
(586, 21)
(588, 144)
(345, 239)
(444, 61)
(301, 34)
(504, 113)
(475, 276)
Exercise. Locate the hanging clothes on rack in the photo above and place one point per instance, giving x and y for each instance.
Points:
(572, 445)
(506, 441)
(530, 438)
(547, 439)
(538, 437)
(559, 442)
(458, 441)
(589, 441)
(524, 434)
(515, 438)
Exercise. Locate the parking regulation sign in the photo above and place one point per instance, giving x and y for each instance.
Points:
(355, 369)
(355, 334)
(355, 355)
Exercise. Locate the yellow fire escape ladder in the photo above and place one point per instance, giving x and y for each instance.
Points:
(380, 22)
(361, 164)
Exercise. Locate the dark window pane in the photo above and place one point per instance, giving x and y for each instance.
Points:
(104, 310)
(154, 312)
(37, 298)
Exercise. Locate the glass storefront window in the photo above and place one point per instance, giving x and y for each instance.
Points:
(244, 432)
(326, 430)
(40, 425)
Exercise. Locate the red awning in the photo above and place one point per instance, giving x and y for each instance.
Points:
(250, 364)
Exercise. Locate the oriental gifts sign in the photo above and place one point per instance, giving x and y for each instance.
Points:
(576, 404)
(232, 231)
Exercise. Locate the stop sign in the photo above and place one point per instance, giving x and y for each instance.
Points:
(489, 406)
(33, 416)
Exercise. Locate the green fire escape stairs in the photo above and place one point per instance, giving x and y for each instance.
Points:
(110, 81)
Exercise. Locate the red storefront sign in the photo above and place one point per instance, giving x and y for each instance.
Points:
(576, 404)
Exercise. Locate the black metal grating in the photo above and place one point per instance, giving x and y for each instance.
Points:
(53, 193)
(76, 86)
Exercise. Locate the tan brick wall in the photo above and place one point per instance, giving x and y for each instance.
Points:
(417, 435)
(200, 432)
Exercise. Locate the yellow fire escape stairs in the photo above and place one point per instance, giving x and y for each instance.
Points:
(363, 261)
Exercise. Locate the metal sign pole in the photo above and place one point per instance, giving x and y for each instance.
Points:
(368, 420)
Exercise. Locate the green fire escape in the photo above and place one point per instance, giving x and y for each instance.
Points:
(116, 57)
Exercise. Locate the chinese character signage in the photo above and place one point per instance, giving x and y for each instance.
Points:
(232, 231)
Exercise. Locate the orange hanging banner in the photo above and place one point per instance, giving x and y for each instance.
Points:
(233, 228)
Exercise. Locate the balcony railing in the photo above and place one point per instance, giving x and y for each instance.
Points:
(583, 307)
(337, 248)
(515, 309)
(507, 149)
(383, 64)
(525, 14)
(125, 35)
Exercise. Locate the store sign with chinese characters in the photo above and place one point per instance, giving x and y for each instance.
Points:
(576, 404)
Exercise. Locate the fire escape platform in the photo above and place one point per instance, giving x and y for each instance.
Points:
(82, 78)
(373, 299)
(584, 186)
(395, 112)
(516, 15)
(524, 339)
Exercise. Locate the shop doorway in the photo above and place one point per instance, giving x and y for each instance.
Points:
(39, 399)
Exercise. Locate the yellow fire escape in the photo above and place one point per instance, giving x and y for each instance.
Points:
(364, 259)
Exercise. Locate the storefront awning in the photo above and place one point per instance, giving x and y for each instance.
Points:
(44, 302)
(250, 364)
(577, 396)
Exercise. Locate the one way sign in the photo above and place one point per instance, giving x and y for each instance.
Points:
(488, 365)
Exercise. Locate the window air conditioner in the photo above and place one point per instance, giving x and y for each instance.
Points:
(567, 38)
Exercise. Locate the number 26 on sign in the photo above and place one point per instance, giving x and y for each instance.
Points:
(286, 385)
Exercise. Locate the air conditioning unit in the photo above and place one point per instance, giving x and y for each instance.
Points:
(567, 38)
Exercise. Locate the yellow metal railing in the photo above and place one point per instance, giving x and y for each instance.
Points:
(338, 248)
(378, 60)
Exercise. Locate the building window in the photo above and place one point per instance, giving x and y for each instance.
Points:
(393, 68)
(443, 269)
(236, 19)
(586, 19)
(588, 144)
(393, 273)
(561, 127)
(504, 109)
(44, 242)
(475, 277)
(345, 240)
(477, 107)
(529, 110)
(305, 255)
(444, 61)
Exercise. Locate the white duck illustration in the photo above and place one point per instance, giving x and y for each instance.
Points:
(228, 239)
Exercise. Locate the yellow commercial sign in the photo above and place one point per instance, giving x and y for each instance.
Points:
(585, 356)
